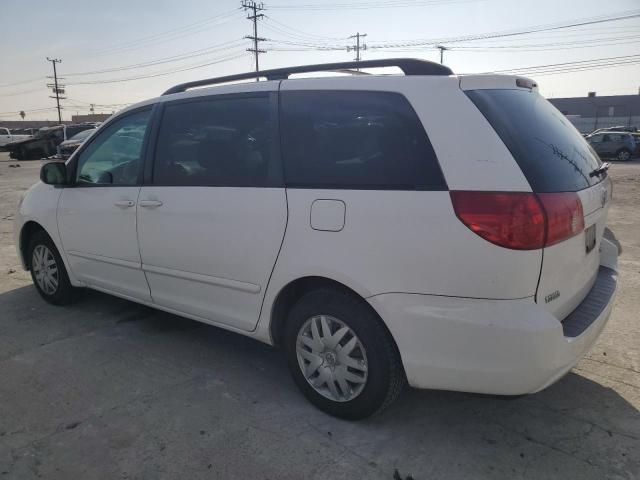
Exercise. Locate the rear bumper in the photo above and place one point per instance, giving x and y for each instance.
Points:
(505, 347)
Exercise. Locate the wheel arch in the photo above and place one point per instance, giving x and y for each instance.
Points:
(29, 229)
(296, 289)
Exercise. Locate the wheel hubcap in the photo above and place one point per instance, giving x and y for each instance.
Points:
(45, 269)
(332, 358)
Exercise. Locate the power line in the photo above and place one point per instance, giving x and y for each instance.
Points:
(566, 63)
(567, 67)
(10, 114)
(159, 74)
(552, 44)
(32, 80)
(510, 33)
(298, 38)
(254, 7)
(174, 58)
(306, 44)
(15, 94)
(169, 35)
(301, 33)
(583, 68)
(300, 41)
(368, 5)
(542, 47)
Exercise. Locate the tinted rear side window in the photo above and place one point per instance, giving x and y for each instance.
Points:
(367, 140)
(217, 141)
(550, 151)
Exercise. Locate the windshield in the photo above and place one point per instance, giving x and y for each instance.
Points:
(82, 135)
(550, 151)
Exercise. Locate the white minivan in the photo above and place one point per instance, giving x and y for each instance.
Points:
(438, 229)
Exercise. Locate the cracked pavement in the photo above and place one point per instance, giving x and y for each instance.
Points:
(109, 389)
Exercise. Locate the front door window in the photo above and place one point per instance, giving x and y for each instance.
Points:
(114, 156)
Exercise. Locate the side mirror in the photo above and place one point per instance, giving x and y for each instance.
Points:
(54, 173)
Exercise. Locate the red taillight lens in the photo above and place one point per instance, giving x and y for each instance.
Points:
(565, 217)
(510, 219)
(520, 220)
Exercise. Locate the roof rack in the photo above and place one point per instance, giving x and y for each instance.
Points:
(410, 66)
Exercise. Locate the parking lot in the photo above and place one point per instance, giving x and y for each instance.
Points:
(110, 389)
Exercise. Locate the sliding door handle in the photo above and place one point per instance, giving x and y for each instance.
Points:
(150, 203)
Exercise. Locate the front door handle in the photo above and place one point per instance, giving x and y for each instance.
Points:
(150, 203)
(124, 203)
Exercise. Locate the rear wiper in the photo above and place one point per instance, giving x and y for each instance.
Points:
(600, 170)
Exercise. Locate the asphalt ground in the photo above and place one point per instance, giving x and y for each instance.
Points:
(108, 389)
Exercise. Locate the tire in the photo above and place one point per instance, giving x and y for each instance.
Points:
(373, 361)
(54, 287)
(623, 155)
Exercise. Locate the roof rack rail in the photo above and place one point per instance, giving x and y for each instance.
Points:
(410, 66)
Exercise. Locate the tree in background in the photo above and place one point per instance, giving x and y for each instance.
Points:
(22, 114)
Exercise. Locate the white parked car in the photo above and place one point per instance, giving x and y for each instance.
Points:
(445, 230)
(6, 136)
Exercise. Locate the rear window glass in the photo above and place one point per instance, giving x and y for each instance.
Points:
(360, 140)
(550, 151)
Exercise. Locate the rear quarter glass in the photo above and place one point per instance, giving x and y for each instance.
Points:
(551, 153)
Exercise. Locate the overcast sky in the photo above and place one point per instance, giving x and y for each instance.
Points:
(92, 36)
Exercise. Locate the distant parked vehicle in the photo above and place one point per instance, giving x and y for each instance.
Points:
(24, 131)
(636, 137)
(8, 136)
(618, 145)
(66, 148)
(45, 142)
(621, 128)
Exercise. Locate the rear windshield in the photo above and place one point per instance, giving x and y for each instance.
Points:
(550, 151)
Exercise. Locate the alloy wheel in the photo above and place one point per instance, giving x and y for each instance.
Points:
(45, 269)
(623, 156)
(332, 358)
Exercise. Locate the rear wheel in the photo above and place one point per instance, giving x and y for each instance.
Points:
(47, 270)
(623, 155)
(341, 356)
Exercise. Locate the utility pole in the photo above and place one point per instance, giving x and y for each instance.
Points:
(254, 16)
(357, 47)
(57, 89)
(442, 49)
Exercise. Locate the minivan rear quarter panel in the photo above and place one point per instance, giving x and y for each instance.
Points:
(412, 241)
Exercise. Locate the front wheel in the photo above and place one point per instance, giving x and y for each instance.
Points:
(47, 270)
(340, 355)
(623, 155)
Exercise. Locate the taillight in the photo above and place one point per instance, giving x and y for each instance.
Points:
(565, 217)
(520, 220)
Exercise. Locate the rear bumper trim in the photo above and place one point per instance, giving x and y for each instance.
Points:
(593, 305)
